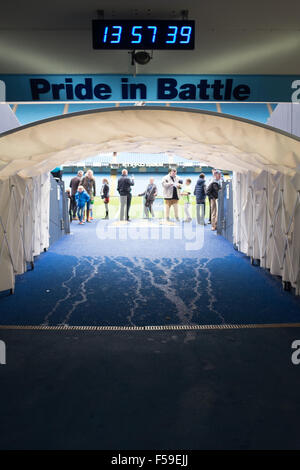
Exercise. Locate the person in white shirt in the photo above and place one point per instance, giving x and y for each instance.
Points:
(171, 192)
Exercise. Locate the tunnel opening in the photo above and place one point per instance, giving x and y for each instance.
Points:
(262, 201)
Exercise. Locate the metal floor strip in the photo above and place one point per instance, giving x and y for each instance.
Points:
(150, 328)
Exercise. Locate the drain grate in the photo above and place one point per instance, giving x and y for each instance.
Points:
(150, 327)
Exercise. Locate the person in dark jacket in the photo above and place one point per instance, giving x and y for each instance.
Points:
(149, 194)
(74, 183)
(105, 195)
(89, 184)
(200, 193)
(212, 193)
(124, 189)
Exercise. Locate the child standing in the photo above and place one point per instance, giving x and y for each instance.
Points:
(91, 208)
(186, 193)
(69, 202)
(82, 198)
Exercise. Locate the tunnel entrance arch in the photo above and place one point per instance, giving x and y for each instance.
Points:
(265, 162)
(221, 139)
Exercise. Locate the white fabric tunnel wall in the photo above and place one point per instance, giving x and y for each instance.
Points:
(266, 182)
(267, 222)
(24, 224)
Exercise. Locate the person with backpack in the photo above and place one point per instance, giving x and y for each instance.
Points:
(212, 193)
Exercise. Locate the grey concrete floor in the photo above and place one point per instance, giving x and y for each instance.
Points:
(225, 389)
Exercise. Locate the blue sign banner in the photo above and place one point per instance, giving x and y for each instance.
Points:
(155, 88)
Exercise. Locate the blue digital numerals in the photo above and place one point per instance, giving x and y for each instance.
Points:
(174, 34)
(138, 37)
(185, 33)
(115, 34)
(154, 31)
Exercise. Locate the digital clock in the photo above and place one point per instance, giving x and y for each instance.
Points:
(144, 34)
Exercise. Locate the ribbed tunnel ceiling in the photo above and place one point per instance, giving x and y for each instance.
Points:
(216, 139)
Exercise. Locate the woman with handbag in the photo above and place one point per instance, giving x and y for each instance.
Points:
(105, 195)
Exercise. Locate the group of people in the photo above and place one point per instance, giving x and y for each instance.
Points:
(174, 188)
(82, 192)
(81, 195)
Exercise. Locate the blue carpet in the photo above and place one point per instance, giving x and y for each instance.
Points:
(106, 273)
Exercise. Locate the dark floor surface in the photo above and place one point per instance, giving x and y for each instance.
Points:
(225, 389)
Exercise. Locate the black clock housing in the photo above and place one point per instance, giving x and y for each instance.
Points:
(144, 34)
